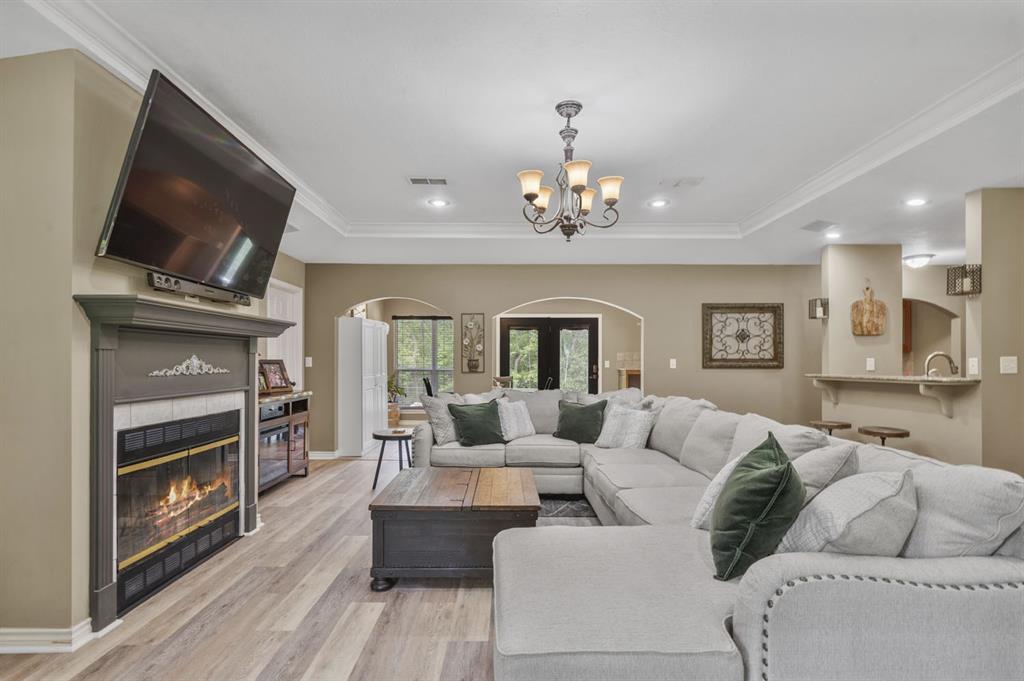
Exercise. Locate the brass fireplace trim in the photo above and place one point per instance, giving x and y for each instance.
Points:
(174, 537)
(192, 451)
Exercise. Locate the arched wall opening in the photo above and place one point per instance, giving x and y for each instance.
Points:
(620, 335)
(927, 328)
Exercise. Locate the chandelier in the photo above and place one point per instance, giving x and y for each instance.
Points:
(575, 198)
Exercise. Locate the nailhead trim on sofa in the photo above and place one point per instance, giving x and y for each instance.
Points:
(770, 603)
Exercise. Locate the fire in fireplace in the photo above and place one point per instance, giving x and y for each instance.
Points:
(177, 499)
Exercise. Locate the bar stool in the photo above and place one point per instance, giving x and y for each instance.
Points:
(882, 432)
(830, 425)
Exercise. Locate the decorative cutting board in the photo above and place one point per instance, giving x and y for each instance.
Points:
(867, 316)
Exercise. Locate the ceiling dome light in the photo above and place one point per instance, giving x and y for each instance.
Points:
(918, 260)
(915, 202)
(437, 203)
(832, 235)
(658, 203)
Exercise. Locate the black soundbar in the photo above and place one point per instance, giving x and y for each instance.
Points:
(165, 282)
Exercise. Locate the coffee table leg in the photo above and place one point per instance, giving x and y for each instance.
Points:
(382, 583)
(380, 458)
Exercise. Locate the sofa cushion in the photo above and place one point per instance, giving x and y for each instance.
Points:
(515, 419)
(440, 418)
(625, 427)
(819, 468)
(592, 455)
(1014, 545)
(707, 446)
(624, 397)
(760, 501)
(542, 450)
(543, 406)
(676, 417)
(868, 514)
(876, 459)
(610, 479)
(752, 430)
(610, 603)
(481, 398)
(481, 456)
(656, 505)
(964, 511)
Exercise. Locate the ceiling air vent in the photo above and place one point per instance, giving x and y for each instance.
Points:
(818, 226)
(433, 181)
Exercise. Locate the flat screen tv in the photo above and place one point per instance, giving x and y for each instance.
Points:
(194, 202)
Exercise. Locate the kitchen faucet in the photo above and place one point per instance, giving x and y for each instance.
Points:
(953, 369)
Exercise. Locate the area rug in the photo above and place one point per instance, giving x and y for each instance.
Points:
(565, 506)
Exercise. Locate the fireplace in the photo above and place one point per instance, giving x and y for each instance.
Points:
(177, 499)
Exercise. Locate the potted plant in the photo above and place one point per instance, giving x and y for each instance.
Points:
(394, 392)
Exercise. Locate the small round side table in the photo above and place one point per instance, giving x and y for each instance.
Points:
(883, 432)
(403, 436)
(830, 425)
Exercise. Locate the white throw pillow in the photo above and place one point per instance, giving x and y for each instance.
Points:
(626, 428)
(702, 515)
(819, 468)
(964, 511)
(515, 420)
(869, 514)
(440, 418)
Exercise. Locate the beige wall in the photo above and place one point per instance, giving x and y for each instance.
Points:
(667, 297)
(847, 269)
(620, 331)
(64, 138)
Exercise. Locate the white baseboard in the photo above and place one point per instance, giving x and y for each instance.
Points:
(31, 641)
(329, 456)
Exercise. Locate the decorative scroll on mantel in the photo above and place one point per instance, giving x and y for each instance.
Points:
(191, 366)
(939, 388)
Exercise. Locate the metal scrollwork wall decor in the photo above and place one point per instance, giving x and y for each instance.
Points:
(742, 335)
(191, 366)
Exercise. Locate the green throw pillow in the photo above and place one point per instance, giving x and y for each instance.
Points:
(477, 424)
(580, 422)
(761, 499)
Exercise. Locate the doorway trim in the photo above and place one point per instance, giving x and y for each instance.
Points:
(297, 373)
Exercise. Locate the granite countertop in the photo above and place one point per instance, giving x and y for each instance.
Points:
(882, 378)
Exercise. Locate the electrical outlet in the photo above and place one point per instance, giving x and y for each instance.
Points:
(1008, 365)
(972, 366)
(309, 362)
(870, 364)
(672, 363)
(607, 364)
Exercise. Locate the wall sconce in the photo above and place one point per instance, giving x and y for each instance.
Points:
(817, 308)
(963, 280)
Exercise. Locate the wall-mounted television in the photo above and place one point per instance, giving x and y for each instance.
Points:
(194, 202)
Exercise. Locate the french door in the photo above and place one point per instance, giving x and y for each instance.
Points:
(550, 352)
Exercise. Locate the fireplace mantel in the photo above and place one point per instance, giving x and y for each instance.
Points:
(135, 341)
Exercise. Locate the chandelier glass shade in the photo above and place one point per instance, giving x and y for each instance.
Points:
(575, 197)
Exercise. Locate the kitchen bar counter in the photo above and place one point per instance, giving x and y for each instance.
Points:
(940, 388)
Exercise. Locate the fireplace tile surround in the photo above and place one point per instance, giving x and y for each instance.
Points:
(135, 340)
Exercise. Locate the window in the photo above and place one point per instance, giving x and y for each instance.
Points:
(424, 348)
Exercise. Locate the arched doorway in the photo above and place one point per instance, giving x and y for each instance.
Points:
(929, 328)
(590, 344)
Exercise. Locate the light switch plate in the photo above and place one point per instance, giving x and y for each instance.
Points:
(1008, 365)
(672, 363)
(972, 366)
(870, 364)
(309, 362)
(607, 364)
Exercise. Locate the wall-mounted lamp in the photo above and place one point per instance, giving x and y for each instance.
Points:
(963, 280)
(817, 308)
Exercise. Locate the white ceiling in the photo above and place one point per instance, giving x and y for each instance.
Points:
(791, 112)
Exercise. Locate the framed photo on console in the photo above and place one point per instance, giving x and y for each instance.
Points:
(274, 377)
(742, 335)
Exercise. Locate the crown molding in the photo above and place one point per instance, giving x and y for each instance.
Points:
(995, 85)
(107, 42)
(523, 230)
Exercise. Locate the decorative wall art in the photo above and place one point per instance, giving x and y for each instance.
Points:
(276, 376)
(742, 335)
(472, 342)
(867, 316)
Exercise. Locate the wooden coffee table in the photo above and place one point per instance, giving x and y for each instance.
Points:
(441, 522)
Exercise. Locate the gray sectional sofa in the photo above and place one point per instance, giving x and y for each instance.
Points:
(636, 598)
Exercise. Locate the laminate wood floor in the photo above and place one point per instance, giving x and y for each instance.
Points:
(293, 601)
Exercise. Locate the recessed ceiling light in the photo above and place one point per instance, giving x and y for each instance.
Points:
(918, 260)
(438, 203)
(832, 235)
(915, 202)
(658, 203)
